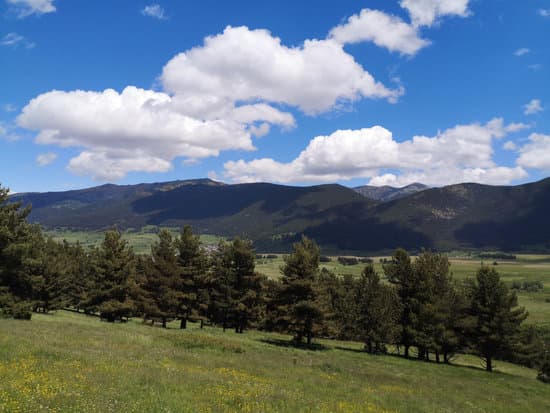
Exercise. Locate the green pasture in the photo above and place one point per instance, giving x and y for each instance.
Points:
(69, 362)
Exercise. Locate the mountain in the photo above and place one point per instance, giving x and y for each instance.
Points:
(272, 215)
(476, 216)
(388, 193)
(464, 216)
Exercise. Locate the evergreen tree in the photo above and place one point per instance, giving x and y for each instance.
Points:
(193, 277)
(298, 309)
(79, 274)
(431, 297)
(378, 313)
(15, 283)
(247, 285)
(220, 286)
(113, 277)
(163, 281)
(400, 273)
(47, 264)
(497, 316)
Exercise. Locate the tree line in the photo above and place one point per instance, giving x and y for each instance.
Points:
(418, 309)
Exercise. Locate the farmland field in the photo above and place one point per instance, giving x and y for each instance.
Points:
(69, 362)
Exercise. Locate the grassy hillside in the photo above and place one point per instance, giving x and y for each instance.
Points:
(73, 363)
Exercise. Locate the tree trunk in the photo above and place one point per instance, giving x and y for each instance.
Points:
(489, 365)
(163, 322)
(309, 339)
(445, 358)
(406, 351)
(437, 356)
(202, 324)
(183, 323)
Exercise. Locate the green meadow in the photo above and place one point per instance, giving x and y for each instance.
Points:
(67, 362)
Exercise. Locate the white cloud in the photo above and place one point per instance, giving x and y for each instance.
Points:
(8, 107)
(510, 146)
(136, 130)
(46, 158)
(382, 29)
(521, 52)
(533, 107)
(7, 132)
(428, 12)
(544, 12)
(462, 153)
(217, 97)
(25, 8)
(15, 40)
(155, 11)
(250, 65)
(535, 67)
(536, 154)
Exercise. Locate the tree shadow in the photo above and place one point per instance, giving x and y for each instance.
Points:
(293, 344)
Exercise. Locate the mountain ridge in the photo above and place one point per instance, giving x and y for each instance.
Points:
(461, 216)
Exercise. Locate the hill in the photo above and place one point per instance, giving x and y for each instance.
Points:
(464, 216)
(80, 364)
(476, 216)
(388, 193)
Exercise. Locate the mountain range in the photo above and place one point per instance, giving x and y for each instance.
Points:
(359, 220)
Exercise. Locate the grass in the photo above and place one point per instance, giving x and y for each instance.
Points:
(68, 362)
(140, 241)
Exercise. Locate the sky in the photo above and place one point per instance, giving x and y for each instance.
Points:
(377, 92)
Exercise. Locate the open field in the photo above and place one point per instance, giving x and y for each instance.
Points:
(68, 362)
(140, 241)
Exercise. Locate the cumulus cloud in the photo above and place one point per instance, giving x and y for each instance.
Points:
(216, 97)
(137, 129)
(382, 29)
(155, 11)
(15, 40)
(391, 32)
(462, 153)
(533, 107)
(536, 154)
(544, 12)
(25, 8)
(521, 52)
(428, 12)
(247, 65)
(46, 158)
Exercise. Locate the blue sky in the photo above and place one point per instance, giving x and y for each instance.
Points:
(355, 92)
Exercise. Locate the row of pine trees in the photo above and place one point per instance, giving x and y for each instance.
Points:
(419, 309)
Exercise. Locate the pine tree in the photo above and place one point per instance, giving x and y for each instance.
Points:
(193, 265)
(113, 273)
(15, 283)
(247, 285)
(433, 290)
(47, 263)
(400, 273)
(497, 316)
(378, 313)
(298, 309)
(220, 286)
(163, 281)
